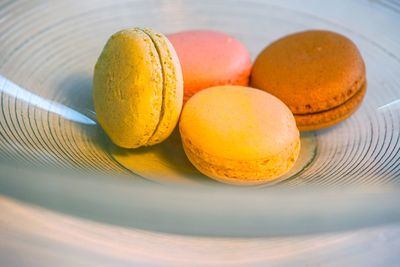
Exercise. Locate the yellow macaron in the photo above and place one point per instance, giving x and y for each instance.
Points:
(239, 135)
(138, 88)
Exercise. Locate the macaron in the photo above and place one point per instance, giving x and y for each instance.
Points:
(138, 88)
(319, 75)
(210, 58)
(239, 135)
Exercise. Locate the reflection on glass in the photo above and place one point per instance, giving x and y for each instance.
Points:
(14, 90)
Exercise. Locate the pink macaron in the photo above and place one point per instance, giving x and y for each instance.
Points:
(210, 58)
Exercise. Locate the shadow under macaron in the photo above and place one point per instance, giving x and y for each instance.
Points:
(167, 163)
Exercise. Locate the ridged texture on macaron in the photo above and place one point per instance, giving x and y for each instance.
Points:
(312, 71)
(172, 89)
(318, 120)
(242, 172)
(239, 135)
(135, 103)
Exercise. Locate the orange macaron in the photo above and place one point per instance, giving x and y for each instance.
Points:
(320, 75)
(210, 58)
(250, 137)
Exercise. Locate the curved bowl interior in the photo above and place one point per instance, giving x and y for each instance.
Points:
(53, 152)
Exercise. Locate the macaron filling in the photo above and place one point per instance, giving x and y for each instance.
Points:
(170, 82)
(334, 102)
(330, 116)
(162, 111)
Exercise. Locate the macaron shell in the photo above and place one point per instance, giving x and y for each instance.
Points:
(172, 87)
(310, 71)
(127, 88)
(242, 172)
(225, 121)
(253, 139)
(210, 58)
(319, 120)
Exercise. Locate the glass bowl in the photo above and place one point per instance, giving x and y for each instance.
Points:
(54, 154)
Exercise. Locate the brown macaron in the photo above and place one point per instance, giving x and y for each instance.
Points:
(320, 75)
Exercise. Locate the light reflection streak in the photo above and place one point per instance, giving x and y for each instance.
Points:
(14, 90)
(391, 105)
